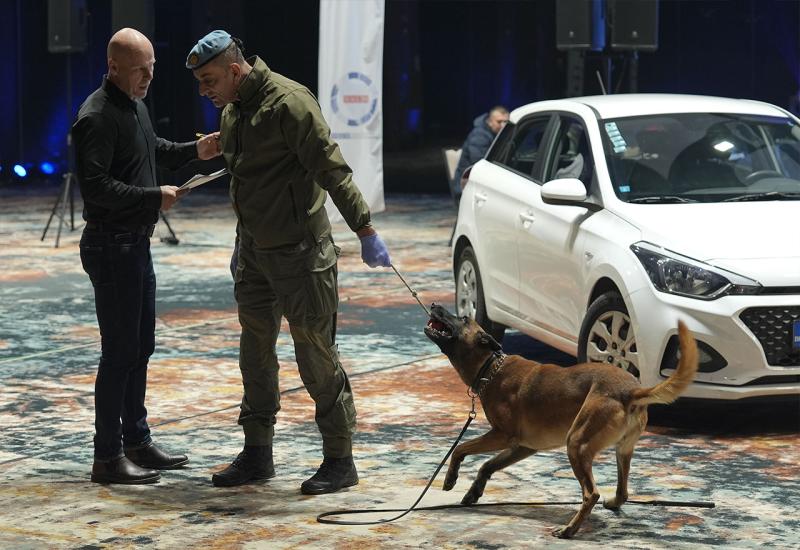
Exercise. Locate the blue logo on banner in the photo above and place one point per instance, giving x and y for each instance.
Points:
(796, 335)
(354, 99)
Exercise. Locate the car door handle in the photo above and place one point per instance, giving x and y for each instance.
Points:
(525, 217)
(480, 197)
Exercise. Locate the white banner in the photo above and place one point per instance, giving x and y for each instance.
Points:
(350, 89)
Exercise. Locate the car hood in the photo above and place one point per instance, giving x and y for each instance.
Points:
(760, 240)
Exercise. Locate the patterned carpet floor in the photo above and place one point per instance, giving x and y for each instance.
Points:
(743, 457)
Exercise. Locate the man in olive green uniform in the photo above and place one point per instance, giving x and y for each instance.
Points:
(283, 164)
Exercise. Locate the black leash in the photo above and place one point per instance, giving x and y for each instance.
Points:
(323, 518)
(655, 502)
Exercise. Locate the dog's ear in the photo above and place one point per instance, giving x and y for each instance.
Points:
(489, 341)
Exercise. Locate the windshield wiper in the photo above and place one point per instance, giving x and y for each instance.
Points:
(660, 198)
(768, 196)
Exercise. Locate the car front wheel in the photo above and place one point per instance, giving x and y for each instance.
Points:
(607, 334)
(470, 301)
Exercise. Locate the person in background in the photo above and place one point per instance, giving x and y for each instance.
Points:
(283, 164)
(116, 153)
(485, 128)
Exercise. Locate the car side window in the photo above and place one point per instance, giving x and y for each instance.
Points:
(524, 145)
(497, 151)
(571, 156)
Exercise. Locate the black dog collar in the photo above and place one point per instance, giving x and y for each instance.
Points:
(481, 376)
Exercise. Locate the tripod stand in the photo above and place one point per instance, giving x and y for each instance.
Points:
(65, 194)
(171, 238)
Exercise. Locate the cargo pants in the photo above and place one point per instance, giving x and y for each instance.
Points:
(300, 283)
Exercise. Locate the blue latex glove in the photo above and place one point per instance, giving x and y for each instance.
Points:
(235, 259)
(374, 251)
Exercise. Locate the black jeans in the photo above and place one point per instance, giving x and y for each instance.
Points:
(121, 270)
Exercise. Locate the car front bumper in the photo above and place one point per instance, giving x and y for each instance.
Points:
(718, 324)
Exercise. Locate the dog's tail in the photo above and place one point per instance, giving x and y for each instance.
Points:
(669, 390)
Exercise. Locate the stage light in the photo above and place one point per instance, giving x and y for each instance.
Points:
(20, 170)
(413, 119)
(47, 168)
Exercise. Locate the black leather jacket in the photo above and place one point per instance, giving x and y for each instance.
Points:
(116, 154)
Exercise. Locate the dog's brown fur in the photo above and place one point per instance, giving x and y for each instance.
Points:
(534, 407)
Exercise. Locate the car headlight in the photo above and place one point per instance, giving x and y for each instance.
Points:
(676, 274)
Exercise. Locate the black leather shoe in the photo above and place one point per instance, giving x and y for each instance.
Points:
(254, 463)
(151, 456)
(333, 474)
(122, 470)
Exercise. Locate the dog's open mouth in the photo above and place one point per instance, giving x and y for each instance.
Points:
(438, 330)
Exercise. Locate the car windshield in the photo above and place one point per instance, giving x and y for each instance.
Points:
(703, 157)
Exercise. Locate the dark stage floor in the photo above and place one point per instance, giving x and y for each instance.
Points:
(743, 457)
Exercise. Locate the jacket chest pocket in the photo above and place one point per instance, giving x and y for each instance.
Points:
(265, 132)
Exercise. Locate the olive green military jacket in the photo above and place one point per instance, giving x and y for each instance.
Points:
(278, 149)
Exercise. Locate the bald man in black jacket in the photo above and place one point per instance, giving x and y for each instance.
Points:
(117, 152)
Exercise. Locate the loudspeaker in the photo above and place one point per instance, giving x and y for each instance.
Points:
(633, 24)
(66, 26)
(576, 63)
(580, 25)
(136, 14)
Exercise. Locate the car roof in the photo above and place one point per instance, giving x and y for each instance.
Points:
(627, 105)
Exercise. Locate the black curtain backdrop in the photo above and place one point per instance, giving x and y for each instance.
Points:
(445, 62)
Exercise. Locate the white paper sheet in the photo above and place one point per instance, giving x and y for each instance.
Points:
(199, 179)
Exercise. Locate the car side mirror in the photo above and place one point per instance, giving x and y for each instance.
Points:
(564, 191)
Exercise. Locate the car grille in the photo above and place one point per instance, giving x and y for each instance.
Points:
(770, 380)
(767, 290)
(773, 328)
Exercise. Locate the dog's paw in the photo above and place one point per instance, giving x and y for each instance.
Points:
(612, 504)
(470, 498)
(563, 533)
(449, 482)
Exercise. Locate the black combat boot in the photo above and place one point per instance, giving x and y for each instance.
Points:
(333, 474)
(254, 463)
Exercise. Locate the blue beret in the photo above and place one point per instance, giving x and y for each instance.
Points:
(207, 48)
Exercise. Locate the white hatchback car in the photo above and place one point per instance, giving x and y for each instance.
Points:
(594, 223)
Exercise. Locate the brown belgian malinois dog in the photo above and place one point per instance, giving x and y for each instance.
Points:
(533, 407)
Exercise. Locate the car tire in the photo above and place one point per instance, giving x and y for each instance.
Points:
(470, 300)
(607, 334)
